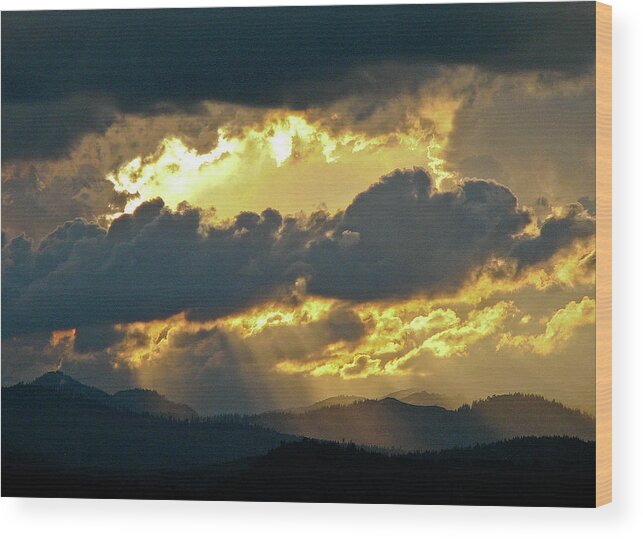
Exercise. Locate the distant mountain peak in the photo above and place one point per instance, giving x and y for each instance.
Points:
(422, 397)
(337, 400)
(394, 423)
(391, 401)
(59, 381)
(136, 400)
(54, 378)
(403, 393)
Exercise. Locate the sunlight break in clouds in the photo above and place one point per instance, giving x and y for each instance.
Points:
(314, 252)
(278, 160)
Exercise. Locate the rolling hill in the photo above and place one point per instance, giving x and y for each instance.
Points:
(339, 400)
(70, 430)
(149, 401)
(415, 396)
(136, 400)
(390, 423)
(524, 471)
(424, 398)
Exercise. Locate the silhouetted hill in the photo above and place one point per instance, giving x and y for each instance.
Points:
(515, 413)
(136, 400)
(402, 393)
(525, 471)
(424, 398)
(339, 400)
(148, 401)
(60, 382)
(390, 423)
(410, 396)
(41, 423)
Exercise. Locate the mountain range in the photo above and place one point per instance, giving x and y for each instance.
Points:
(387, 423)
(390, 423)
(137, 400)
(425, 398)
(63, 438)
(415, 396)
(69, 428)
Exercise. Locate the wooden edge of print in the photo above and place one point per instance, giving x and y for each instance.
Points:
(603, 254)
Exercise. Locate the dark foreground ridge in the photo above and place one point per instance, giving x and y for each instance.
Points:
(522, 471)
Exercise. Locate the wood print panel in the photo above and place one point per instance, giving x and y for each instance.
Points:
(348, 254)
(604, 254)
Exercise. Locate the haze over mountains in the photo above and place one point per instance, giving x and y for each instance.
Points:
(410, 396)
(390, 423)
(425, 398)
(339, 400)
(63, 438)
(387, 423)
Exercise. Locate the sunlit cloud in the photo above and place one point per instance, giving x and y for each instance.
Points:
(278, 163)
(343, 288)
(559, 329)
(399, 334)
(456, 340)
(59, 337)
(569, 268)
(448, 335)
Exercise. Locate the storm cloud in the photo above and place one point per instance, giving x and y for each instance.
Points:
(556, 233)
(398, 239)
(413, 239)
(96, 338)
(69, 73)
(149, 265)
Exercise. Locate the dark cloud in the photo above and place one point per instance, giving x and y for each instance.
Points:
(414, 240)
(589, 203)
(66, 73)
(26, 357)
(481, 166)
(148, 265)
(96, 338)
(272, 343)
(50, 127)
(556, 233)
(397, 239)
(358, 366)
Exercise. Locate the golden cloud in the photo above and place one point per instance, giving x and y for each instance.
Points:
(559, 328)
(398, 332)
(278, 163)
(440, 333)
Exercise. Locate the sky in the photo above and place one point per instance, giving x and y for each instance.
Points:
(250, 209)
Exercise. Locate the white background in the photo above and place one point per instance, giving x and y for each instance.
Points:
(623, 518)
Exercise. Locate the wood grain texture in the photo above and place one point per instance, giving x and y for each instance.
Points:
(603, 254)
